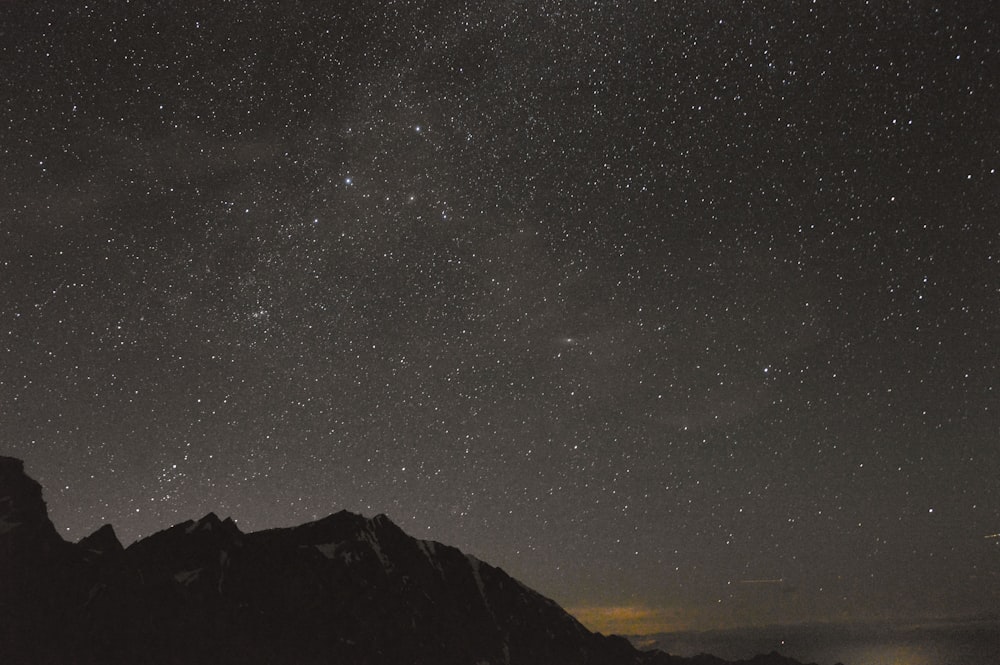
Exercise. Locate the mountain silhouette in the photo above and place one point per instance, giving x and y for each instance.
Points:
(343, 589)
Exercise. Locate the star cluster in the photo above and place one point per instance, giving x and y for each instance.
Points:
(649, 303)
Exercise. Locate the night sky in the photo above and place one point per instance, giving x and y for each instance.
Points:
(686, 314)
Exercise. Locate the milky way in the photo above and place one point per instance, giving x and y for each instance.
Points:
(683, 313)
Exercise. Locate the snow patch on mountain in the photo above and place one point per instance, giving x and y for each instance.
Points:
(188, 577)
(476, 565)
(223, 565)
(7, 525)
(429, 549)
(336, 551)
(369, 536)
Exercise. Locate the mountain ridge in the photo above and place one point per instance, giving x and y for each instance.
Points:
(342, 589)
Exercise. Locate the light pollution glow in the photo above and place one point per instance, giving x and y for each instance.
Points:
(631, 619)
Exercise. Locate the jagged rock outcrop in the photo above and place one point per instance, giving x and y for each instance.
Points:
(102, 542)
(38, 569)
(25, 528)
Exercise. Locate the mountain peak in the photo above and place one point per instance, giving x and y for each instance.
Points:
(207, 523)
(103, 541)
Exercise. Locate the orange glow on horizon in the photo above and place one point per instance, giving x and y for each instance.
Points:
(630, 619)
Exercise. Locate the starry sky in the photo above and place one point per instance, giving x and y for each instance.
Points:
(683, 313)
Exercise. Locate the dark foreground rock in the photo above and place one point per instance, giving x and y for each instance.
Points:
(344, 589)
